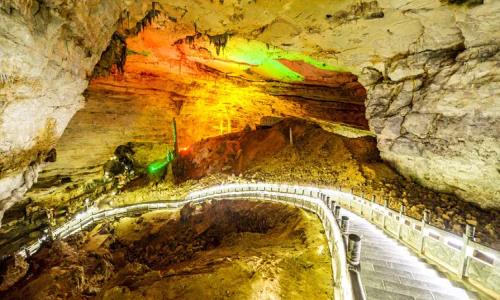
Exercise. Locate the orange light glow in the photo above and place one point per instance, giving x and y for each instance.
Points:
(183, 150)
(165, 79)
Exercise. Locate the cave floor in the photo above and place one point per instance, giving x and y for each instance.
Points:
(222, 250)
(318, 157)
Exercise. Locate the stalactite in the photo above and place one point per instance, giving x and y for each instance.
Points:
(114, 55)
(148, 19)
(219, 41)
(116, 52)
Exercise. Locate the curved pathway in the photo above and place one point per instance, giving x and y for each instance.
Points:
(389, 270)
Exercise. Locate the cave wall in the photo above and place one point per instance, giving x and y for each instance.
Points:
(47, 51)
(430, 69)
(436, 109)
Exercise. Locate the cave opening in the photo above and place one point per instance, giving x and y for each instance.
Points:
(109, 105)
(147, 77)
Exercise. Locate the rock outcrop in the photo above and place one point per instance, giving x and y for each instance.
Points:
(435, 110)
(46, 49)
(12, 270)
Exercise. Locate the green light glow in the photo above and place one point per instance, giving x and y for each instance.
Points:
(276, 70)
(158, 166)
(264, 59)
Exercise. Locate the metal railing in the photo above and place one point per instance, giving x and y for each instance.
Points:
(341, 271)
(471, 261)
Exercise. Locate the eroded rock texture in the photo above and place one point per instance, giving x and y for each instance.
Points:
(436, 110)
(46, 48)
(430, 69)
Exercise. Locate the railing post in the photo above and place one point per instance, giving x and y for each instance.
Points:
(353, 260)
(86, 203)
(384, 215)
(337, 212)
(371, 209)
(354, 249)
(425, 220)
(344, 224)
(344, 228)
(50, 233)
(402, 212)
(468, 236)
(360, 206)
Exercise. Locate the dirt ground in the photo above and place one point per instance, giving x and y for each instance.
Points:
(317, 157)
(222, 250)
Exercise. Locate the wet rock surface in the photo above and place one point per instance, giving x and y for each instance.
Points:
(225, 249)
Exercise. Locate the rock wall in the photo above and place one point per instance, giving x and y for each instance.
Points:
(435, 110)
(431, 70)
(47, 51)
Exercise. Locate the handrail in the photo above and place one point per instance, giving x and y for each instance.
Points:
(342, 283)
(418, 235)
(458, 255)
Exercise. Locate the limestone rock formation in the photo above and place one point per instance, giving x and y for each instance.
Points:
(46, 51)
(435, 109)
(430, 69)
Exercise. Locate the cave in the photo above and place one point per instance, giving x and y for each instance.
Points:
(249, 149)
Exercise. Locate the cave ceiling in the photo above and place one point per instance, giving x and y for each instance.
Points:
(426, 71)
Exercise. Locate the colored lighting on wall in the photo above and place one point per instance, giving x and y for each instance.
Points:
(264, 59)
